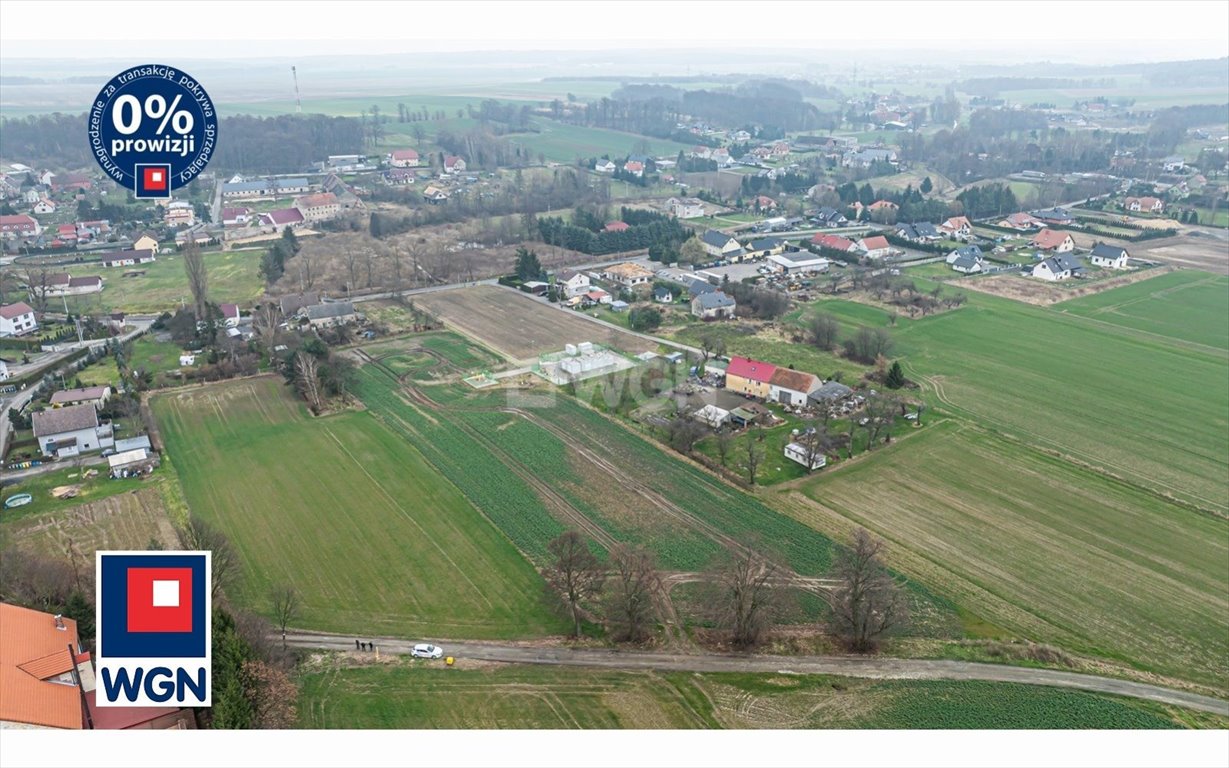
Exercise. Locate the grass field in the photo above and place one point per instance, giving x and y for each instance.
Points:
(349, 514)
(1180, 306)
(144, 352)
(563, 142)
(1041, 547)
(89, 490)
(234, 276)
(421, 696)
(765, 345)
(1145, 408)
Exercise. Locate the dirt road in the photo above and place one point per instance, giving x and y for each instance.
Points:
(878, 668)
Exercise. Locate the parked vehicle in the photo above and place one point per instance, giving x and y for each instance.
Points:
(427, 651)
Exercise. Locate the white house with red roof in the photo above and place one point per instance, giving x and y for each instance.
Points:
(835, 242)
(617, 226)
(236, 217)
(1144, 204)
(17, 319)
(1053, 240)
(454, 164)
(404, 158)
(604, 166)
(634, 167)
(19, 225)
(44, 206)
(876, 247)
(957, 226)
(230, 314)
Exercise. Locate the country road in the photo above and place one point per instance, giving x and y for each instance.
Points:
(877, 668)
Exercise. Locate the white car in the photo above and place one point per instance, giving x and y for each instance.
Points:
(427, 651)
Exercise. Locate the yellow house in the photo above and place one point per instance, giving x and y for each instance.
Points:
(749, 377)
(145, 242)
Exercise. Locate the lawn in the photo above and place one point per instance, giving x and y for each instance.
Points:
(234, 276)
(1182, 306)
(144, 352)
(414, 695)
(1142, 407)
(1041, 547)
(349, 514)
(89, 490)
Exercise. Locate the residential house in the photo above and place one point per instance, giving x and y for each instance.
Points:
(44, 206)
(282, 218)
(127, 258)
(830, 217)
(147, 242)
(178, 213)
(66, 233)
(685, 207)
(292, 303)
(967, 250)
(594, 297)
(1144, 204)
(604, 166)
(403, 158)
(876, 247)
(883, 205)
(17, 319)
(713, 306)
(20, 225)
(236, 217)
(663, 295)
(696, 286)
(835, 242)
(331, 313)
(230, 314)
(765, 247)
(318, 207)
(765, 203)
(722, 156)
(434, 194)
(399, 176)
(865, 158)
(628, 275)
(96, 396)
(70, 182)
(780, 149)
(454, 164)
(1021, 221)
(1173, 163)
(617, 226)
(69, 431)
(572, 283)
(792, 387)
(1054, 216)
(1053, 240)
(749, 377)
(1058, 267)
(634, 167)
(798, 262)
(198, 234)
(957, 227)
(798, 453)
(719, 244)
(967, 263)
(1108, 256)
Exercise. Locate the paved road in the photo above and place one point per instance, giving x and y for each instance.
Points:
(877, 668)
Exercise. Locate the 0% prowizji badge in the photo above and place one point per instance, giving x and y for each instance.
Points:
(153, 129)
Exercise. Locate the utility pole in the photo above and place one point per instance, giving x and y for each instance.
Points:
(298, 101)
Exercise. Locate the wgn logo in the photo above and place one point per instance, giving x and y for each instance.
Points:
(154, 629)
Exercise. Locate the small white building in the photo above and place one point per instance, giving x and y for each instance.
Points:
(1108, 256)
(572, 283)
(712, 416)
(604, 166)
(798, 262)
(686, 207)
(797, 452)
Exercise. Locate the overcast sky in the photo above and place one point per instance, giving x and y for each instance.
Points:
(1091, 32)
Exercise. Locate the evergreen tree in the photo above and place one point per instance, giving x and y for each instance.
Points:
(926, 186)
(527, 265)
(896, 377)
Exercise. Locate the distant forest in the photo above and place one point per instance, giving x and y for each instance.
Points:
(282, 144)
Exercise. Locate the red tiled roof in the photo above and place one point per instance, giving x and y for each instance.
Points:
(31, 650)
(10, 311)
(832, 241)
(229, 310)
(794, 380)
(616, 226)
(1047, 239)
(750, 369)
(283, 216)
(405, 154)
(315, 201)
(875, 243)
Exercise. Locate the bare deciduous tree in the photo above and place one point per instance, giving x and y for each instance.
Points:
(285, 602)
(867, 603)
(629, 593)
(742, 598)
(575, 576)
(684, 431)
(754, 453)
(272, 694)
(307, 377)
(725, 441)
(265, 320)
(881, 412)
(350, 256)
(198, 279)
(38, 283)
(200, 535)
(822, 330)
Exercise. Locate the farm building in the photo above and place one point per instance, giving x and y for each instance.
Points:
(403, 158)
(71, 430)
(131, 462)
(685, 207)
(876, 247)
(712, 306)
(765, 247)
(628, 274)
(264, 187)
(331, 313)
(830, 392)
(712, 416)
(282, 218)
(1108, 256)
(835, 242)
(797, 452)
(792, 387)
(128, 258)
(578, 362)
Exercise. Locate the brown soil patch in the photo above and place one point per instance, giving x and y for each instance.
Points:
(1041, 293)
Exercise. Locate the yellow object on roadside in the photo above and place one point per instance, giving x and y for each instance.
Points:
(449, 661)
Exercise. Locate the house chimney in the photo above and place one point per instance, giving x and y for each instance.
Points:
(59, 622)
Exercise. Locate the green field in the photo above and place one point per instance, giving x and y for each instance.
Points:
(423, 696)
(1179, 307)
(1150, 410)
(234, 276)
(349, 514)
(1041, 547)
(746, 341)
(563, 143)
